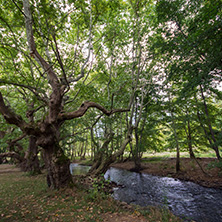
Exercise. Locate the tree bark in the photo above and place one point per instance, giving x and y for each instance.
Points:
(177, 142)
(136, 153)
(189, 138)
(12, 155)
(103, 159)
(31, 160)
(57, 165)
(210, 136)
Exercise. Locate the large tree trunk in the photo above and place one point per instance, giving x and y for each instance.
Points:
(57, 165)
(101, 157)
(28, 162)
(31, 161)
(56, 162)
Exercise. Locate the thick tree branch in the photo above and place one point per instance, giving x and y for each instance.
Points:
(13, 118)
(12, 155)
(65, 81)
(84, 107)
(17, 139)
(57, 91)
(53, 80)
(9, 115)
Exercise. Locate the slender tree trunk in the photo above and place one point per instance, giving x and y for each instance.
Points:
(177, 143)
(210, 136)
(136, 153)
(85, 149)
(177, 147)
(178, 154)
(71, 150)
(215, 147)
(92, 150)
(189, 138)
(175, 135)
(81, 147)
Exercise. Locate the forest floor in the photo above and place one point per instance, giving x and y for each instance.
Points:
(209, 176)
(27, 198)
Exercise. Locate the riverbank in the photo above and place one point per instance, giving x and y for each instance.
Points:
(202, 171)
(27, 198)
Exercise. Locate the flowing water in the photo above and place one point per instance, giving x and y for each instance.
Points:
(185, 199)
(77, 169)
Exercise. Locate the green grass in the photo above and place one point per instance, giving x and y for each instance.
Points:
(27, 198)
(161, 155)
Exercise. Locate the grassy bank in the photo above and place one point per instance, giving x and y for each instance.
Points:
(206, 154)
(27, 198)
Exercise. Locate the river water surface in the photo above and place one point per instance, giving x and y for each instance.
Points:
(185, 199)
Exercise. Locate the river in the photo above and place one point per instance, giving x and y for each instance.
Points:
(185, 199)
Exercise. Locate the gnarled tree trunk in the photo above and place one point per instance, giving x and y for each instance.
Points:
(56, 162)
(57, 165)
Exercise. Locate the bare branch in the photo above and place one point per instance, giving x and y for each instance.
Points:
(89, 49)
(60, 62)
(58, 56)
(32, 89)
(17, 139)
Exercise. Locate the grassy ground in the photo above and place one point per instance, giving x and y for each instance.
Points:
(208, 154)
(27, 198)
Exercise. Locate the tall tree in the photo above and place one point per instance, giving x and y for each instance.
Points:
(52, 73)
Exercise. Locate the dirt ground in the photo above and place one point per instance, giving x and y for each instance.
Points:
(7, 168)
(190, 170)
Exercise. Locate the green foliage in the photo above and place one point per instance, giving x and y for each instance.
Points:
(173, 46)
(100, 188)
(191, 42)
